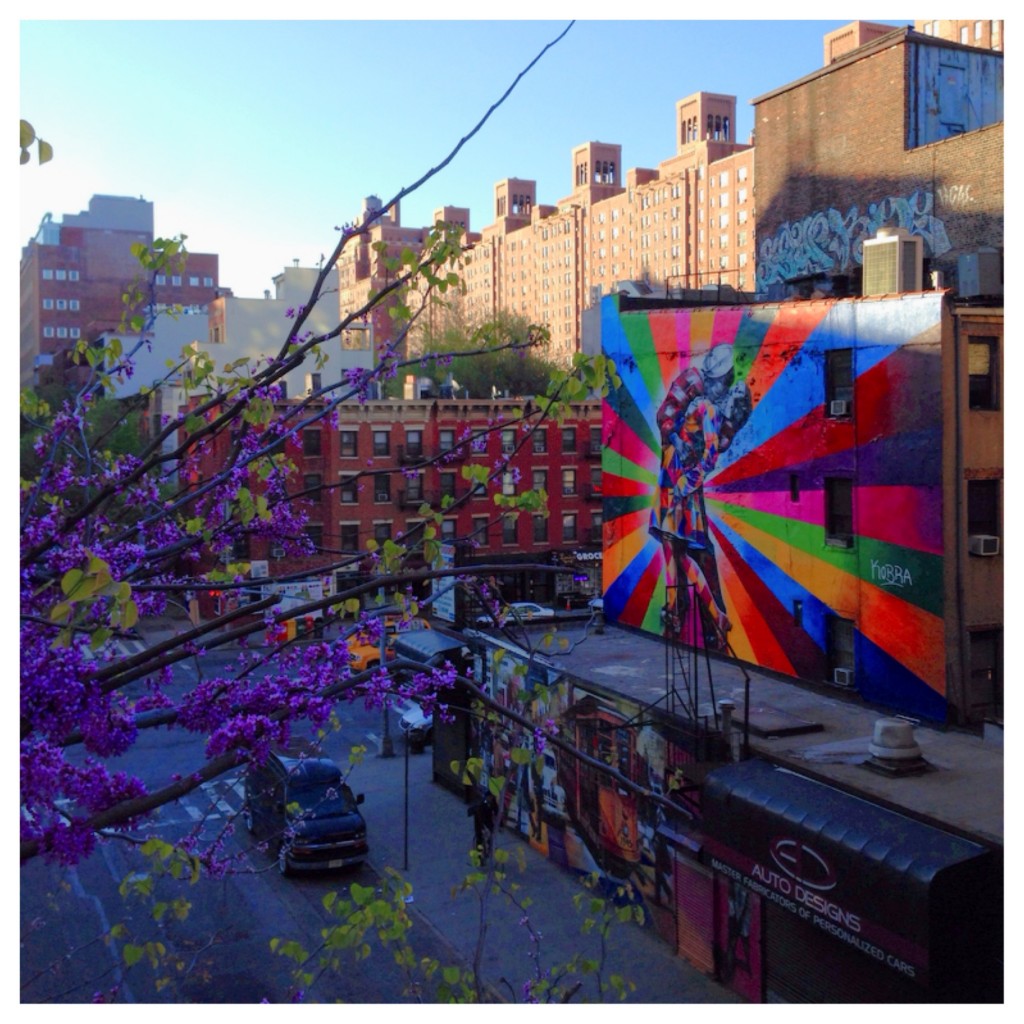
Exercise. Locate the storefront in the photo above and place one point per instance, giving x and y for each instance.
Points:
(583, 584)
(820, 896)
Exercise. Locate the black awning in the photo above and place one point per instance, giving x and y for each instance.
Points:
(895, 887)
(424, 645)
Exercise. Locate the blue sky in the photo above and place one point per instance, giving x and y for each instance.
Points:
(256, 138)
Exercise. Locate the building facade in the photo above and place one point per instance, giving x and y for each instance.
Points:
(925, 155)
(366, 477)
(75, 271)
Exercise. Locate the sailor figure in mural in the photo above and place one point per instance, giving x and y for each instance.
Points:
(698, 419)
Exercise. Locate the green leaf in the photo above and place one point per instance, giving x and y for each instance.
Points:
(132, 954)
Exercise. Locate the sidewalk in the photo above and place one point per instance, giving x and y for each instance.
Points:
(440, 835)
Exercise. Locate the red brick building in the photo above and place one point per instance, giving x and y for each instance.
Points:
(367, 478)
(75, 271)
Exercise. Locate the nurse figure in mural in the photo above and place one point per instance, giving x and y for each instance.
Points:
(698, 419)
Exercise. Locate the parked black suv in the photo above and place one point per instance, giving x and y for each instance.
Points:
(301, 804)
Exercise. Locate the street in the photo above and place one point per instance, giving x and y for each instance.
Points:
(220, 951)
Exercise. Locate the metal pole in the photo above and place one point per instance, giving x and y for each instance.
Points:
(387, 748)
(405, 840)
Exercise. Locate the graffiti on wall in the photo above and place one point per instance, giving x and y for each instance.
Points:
(573, 813)
(830, 241)
(808, 541)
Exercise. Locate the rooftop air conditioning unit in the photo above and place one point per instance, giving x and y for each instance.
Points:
(893, 262)
(842, 676)
(983, 544)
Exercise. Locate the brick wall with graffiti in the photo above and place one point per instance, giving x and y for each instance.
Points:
(566, 808)
(773, 488)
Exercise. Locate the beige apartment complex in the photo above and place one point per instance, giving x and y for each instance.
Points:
(688, 223)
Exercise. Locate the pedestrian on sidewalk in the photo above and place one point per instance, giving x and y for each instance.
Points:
(484, 811)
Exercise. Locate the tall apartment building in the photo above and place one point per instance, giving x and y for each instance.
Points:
(74, 272)
(985, 34)
(686, 224)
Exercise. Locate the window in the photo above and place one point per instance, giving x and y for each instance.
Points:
(985, 686)
(176, 280)
(964, 35)
(74, 305)
(74, 332)
(61, 275)
(569, 527)
(446, 439)
(414, 488)
(595, 440)
(840, 644)
(72, 275)
(839, 511)
(193, 281)
(508, 440)
(447, 485)
(981, 372)
(983, 507)
(481, 530)
(381, 442)
(540, 480)
(509, 531)
(349, 490)
(381, 532)
(312, 482)
(568, 440)
(414, 443)
(62, 303)
(508, 483)
(839, 382)
(62, 332)
(315, 533)
(596, 486)
(349, 444)
(48, 332)
(540, 529)
(349, 537)
(382, 488)
(161, 279)
(596, 524)
(207, 282)
(448, 530)
(311, 441)
(47, 275)
(794, 487)
(540, 441)
(568, 482)
(47, 303)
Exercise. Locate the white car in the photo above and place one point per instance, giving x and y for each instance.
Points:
(519, 611)
(415, 720)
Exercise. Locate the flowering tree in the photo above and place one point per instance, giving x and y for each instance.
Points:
(113, 535)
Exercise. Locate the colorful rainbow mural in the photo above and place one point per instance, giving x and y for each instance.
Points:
(720, 451)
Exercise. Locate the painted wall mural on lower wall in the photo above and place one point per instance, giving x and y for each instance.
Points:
(773, 484)
(831, 242)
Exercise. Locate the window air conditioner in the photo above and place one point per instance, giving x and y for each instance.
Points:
(842, 676)
(893, 262)
(839, 407)
(982, 544)
(277, 552)
(382, 496)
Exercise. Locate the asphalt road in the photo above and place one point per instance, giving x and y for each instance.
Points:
(220, 952)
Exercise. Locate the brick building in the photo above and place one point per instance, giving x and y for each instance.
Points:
(367, 478)
(685, 224)
(74, 272)
(904, 132)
